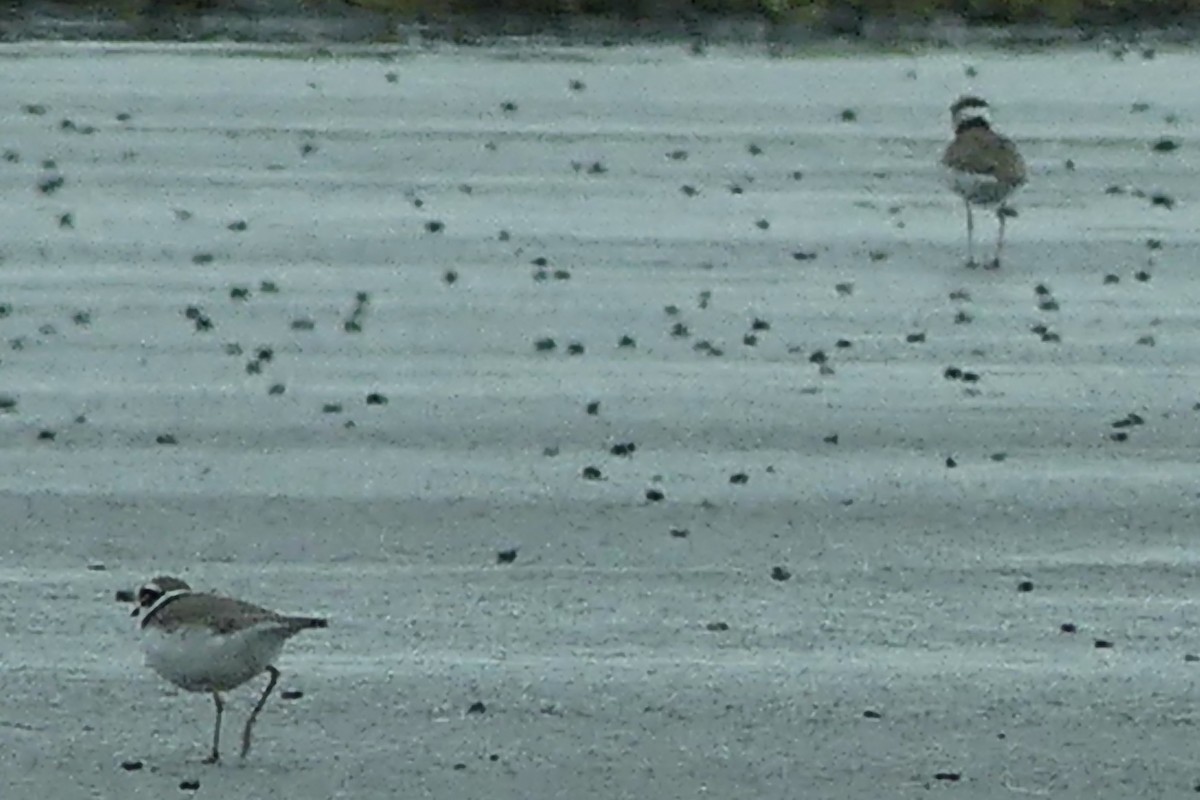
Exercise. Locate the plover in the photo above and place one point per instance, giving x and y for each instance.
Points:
(984, 167)
(209, 643)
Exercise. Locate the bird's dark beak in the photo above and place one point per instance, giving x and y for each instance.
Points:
(125, 596)
(136, 610)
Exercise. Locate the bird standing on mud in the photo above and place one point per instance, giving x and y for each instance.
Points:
(984, 168)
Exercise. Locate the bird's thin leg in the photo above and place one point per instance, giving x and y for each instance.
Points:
(999, 238)
(262, 701)
(215, 755)
(970, 235)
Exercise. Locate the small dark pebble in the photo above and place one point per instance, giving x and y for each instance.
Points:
(1157, 199)
(544, 345)
(46, 435)
(1025, 586)
(291, 694)
(818, 357)
(1068, 627)
(166, 438)
(914, 338)
(66, 220)
(506, 556)
(870, 714)
(750, 340)
(947, 776)
(951, 463)
(762, 224)
(804, 255)
(842, 344)
(435, 226)
(1119, 436)
(1165, 146)
(268, 287)
(592, 474)
(450, 277)
(844, 289)
(998, 457)
(849, 115)
(831, 439)
(577, 85)
(49, 184)
(760, 325)
(593, 408)
(679, 330)
(1191, 658)
(477, 707)
(575, 349)
(739, 478)
(331, 408)
(239, 293)
(131, 766)
(689, 190)
(508, 106)
(717, 627)
(459, 767)
(623, 449)
(7, 403)
(96, 568)
(780, 573)
(202, 258)
(277, 388)
(1111, 279)
(626, 341)
(303, 324)
(376, 399)
(1142, 276)
(679, 533)
(754, 149)
(952, 373)
(654, 495)
(970, 377)
(237, 226)
(1103, 644)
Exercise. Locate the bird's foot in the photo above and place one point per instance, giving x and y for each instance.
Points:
(993, 264)
(211, 758)
(972, 263)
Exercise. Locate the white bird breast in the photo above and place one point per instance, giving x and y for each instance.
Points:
(198, 660)
(982, 190)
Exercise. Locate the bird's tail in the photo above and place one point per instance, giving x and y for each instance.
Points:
(302, 623)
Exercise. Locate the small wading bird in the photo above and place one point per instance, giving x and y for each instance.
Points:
(983, 167)
(209, 643)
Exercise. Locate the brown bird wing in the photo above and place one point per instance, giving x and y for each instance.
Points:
(223, 614)
(981, 151)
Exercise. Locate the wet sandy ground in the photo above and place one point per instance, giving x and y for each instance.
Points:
(190, 395)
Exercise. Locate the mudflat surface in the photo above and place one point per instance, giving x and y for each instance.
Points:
(187, 399)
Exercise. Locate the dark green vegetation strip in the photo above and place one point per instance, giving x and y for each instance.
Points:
(819, 13)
